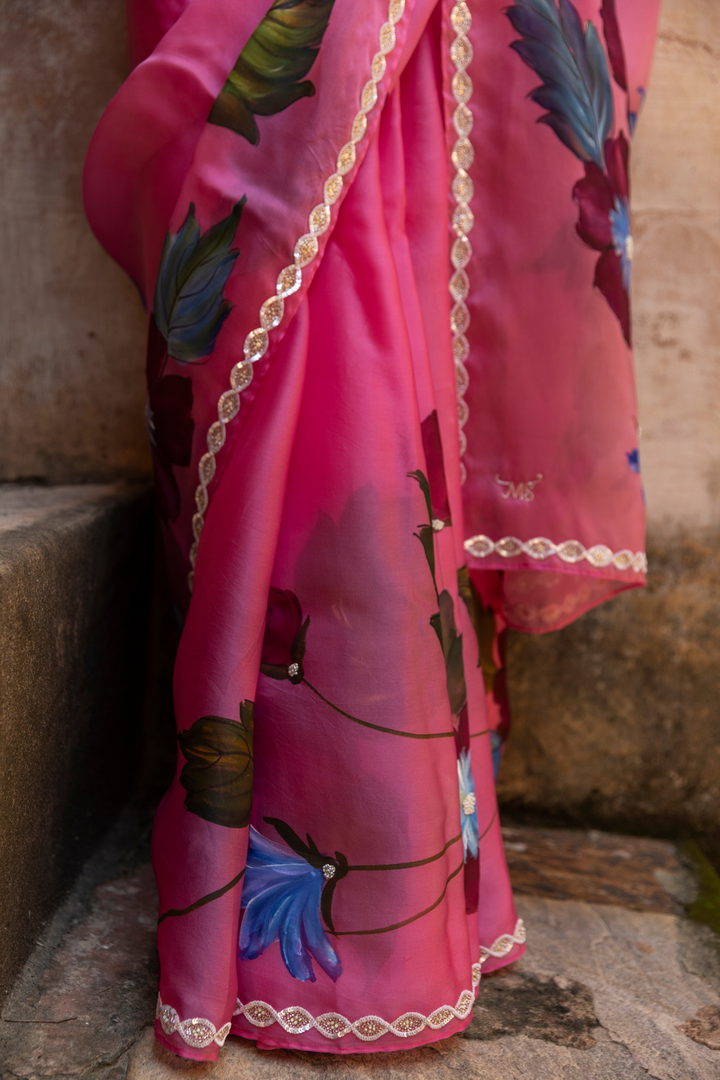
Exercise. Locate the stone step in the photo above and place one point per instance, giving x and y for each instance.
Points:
(75, 576)
(606, 991)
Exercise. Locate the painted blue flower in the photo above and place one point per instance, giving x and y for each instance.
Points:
(468, 806)
(281, 896)
(633, 457)
(622, 238)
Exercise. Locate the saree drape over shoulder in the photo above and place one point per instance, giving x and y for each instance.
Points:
(392, 411)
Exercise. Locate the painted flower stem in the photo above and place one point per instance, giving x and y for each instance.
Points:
(173, 913)
(405, 922)
(379, 727)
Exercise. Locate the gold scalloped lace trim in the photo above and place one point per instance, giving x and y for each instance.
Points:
(290, 279)
(570, 551)
(296, 1020)
(462, 220)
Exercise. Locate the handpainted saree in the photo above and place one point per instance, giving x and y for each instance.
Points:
(392, 411)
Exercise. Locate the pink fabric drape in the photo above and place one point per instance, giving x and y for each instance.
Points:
(329, 856)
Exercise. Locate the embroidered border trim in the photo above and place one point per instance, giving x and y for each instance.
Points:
(462, 219)
(290, 279)
(570, 551)
(296, 1020)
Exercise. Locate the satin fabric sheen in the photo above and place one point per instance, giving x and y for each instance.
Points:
(312, 494)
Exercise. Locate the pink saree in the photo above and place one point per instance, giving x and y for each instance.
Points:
(392, 411)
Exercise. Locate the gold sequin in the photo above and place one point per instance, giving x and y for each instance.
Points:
(459, 318)
(305, 249)
(197, 525)
(206, 468)
(463, 120)
(256, 344)
(271, 313)
(319, 219)
(201, 499)
(460, 18)
(462, 87)
(461, 52)
(377, 68)
(461, 349)
(296, 1020)
(460, 253)
(459, 285)
(462, 187)
(289, 281)
(462, 219)
(216, 437)
(240, 378)
(228, 406)
(386, 38)
(359, 125)
(396, 11)
(332, 189)
(463, 154)
(369, 96)
(346, 159)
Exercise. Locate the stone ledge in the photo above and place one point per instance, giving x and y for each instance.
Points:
(75, 572)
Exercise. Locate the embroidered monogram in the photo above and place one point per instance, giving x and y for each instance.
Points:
(522, 492)
(290, 279)
(462, 218)
(570, 551)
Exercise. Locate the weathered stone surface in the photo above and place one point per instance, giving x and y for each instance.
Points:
(97, 992)
(616, 718)
(705, 1027)
(601, 868)
(74, 584)
(676, 270)
(514, 1002)
(633, 963)
(73, 329)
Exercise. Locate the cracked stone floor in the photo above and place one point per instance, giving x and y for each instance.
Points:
(617, 982)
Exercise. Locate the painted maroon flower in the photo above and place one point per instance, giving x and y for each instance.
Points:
(284, 642)
(604, 224)
(432, 446)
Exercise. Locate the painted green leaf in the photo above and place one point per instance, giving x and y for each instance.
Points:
(218, 776)
(190, 306)
(483, 622)
(266, 77)
(443, 622)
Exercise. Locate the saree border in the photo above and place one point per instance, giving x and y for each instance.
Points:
(462, 220)
(569, 551)
(290, 278)
(296, 1020)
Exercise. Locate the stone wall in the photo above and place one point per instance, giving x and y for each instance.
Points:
(72, 331)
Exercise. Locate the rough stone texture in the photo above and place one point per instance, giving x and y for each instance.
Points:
(515, 1002)
(72, 332)
(75, 570)
(603, 993)
(600, 868)
(676, 270)
(616, 718)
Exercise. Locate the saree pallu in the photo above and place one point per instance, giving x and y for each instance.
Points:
(392, 411)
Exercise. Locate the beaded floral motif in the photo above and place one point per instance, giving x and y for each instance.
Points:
(290, 279)
(462, 218)
(296, 1020)
(570, 551)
